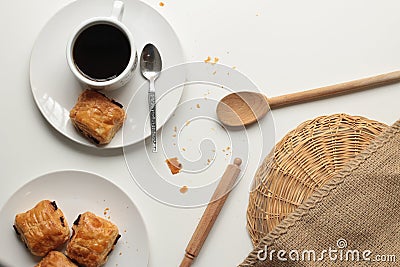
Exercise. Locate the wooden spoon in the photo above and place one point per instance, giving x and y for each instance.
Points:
(244, 108)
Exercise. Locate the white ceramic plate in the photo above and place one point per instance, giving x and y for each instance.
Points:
(56, 90)
(74, 194)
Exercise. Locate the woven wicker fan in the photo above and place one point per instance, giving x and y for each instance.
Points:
(304, 160)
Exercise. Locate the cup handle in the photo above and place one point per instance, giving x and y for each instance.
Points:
(118, 10)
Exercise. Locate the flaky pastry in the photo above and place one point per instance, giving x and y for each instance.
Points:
(97, 117)
(43, 228)
(55, 259)
(92, 240)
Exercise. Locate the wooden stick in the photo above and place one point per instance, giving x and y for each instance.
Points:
(332, 90)
(211, 213)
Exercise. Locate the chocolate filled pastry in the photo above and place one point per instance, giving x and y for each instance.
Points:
(43, 228)
(97, 117)
(55, 259)
(92, 240)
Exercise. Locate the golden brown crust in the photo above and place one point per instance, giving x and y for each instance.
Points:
(55, 259)
(174, 165)
(97, 117)
(43, 228)
(92, 240)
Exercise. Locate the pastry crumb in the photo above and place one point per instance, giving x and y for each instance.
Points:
(106, 210)
(198, 106)
(215, 72)
(174, 165)
(161, 4)
(209, 60)
(183, 189)
(187, 123)
(183, 149)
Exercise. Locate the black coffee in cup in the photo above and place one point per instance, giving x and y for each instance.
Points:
(101, 52)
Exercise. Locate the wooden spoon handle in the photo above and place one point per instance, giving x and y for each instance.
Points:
(332, 90)
(211, 213)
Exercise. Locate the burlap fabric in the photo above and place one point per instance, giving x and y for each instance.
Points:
(354, 220)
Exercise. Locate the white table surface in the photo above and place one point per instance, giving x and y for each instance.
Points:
(283, 46)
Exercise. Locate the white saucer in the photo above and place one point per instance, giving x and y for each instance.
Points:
(72, 192)
(56, 90)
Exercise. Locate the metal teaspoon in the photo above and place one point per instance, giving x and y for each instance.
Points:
(150, 66)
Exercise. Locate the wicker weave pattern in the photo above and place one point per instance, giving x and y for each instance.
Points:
(304, 160)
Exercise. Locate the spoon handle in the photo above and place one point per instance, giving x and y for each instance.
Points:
(211, 213)
(153, 118)
(333, 90)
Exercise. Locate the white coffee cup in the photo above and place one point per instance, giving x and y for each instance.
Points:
(91, 69)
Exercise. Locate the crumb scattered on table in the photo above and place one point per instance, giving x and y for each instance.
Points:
(198, 106)
(183, 149)
(174, 165)
(106, 210)
(161, 4)
(183, 189)
(208, 60)
(187, 123)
